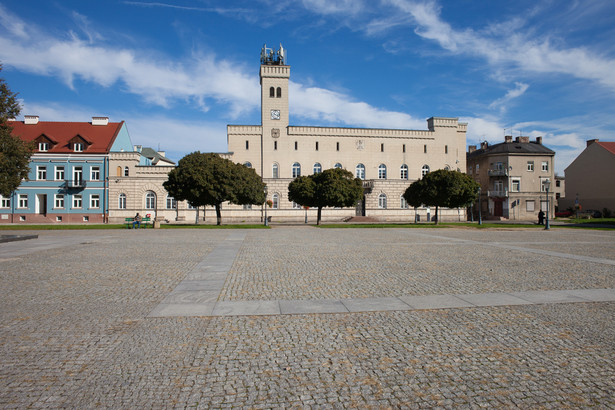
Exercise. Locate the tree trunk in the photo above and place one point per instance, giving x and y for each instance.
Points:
(197, 216)
(218, 214)
(318, 217)
(437, 214)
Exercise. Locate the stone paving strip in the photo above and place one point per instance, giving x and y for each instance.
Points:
(198, 294)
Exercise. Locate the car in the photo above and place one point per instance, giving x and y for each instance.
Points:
(593, 213)
(563, 214)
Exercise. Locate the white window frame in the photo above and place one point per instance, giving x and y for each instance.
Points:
(337, 165)
(530, 166)
(77, 201)
(121, 201)
(94, 201)
(359, 171)
(41, 173)
(530, 205)
(544, 166)
(247, 164)
(95, 173)
(382, 171)
(296, 170)
(403, 204)
(515, 181)
(425, 170)
(58, 201)
(78, 147)
(59, 173)
(382, 201)
(275, 170)
(403, 171)
(126, 171)
(275, 201)
(543, 188)
(22, 201)
(150, 200)
(317, 168)
(172, 202)
(43, 146)
(5, 202)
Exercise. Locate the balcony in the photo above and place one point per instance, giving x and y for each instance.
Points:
(368, 186)
(503, 172)
(75, 183)
(502, 193)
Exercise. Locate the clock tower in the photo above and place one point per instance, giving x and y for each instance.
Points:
(274, 75)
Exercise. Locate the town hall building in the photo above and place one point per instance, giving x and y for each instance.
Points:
(387, 160)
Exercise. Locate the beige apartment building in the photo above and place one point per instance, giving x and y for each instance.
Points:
(387, 160)
(589, 178)
(513, 176)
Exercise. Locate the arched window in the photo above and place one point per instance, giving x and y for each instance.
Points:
(403, 204)
(447, 167)
(121, 201)
(275, 198)
(279, 92)
(271, 92)
(382, 201)
(171, 202)
(119, 171)
(425, 170)
(126, 171)
(296, 170)
(150, 200)
(317, 168)
(338, 165)
(382, 171)
(275, 170)
(247, 164)
(403, 171)
(360, 171)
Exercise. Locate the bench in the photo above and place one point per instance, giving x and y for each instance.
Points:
(144, 222)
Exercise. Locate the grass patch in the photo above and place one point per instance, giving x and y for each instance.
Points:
(596, 221)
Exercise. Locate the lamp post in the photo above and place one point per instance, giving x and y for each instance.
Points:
(480, 218)
(547, 185)
(266, 205)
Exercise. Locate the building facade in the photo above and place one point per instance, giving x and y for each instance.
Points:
(67, 182)
(513, 176)
(387, 160)
(589, 178)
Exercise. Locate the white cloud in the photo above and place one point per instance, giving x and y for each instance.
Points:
(519, 90)
(334, 6)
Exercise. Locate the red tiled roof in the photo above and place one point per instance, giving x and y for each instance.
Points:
(101, 137)
(609, 146)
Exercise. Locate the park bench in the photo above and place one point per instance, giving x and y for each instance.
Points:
(144, 222)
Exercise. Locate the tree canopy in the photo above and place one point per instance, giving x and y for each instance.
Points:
(331, 188)
(14, 153)
(207, 179)
(442, 188)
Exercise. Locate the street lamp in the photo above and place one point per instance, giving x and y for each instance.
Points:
(547, 185)
(480, 218)
(266, 205)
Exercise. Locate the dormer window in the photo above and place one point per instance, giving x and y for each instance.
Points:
(43, 146)
(78, 147)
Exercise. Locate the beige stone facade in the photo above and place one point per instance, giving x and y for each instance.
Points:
(388, 160)
(512, 176)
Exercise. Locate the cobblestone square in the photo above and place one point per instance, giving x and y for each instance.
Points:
(187, 318)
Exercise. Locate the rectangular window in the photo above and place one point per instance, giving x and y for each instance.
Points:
(316, 145)
(543, 206)
(58, 201)
(59, 173)
(77, 201)
(557, 183)
(543, 186)
(247, 144)
(425, 148)
(403, 148)
(95, 201)
(337, 146)
(515, 184)
(544, 166)
(530, 166)
(275, 145)
(5, 202)
(95, 174)
(171, 203)
(43, 146)
(23, 201)
(78, 147)
(529, 206)
(477, 167)
(41, 173)
(446, 149)
(381, 147)
(296, 145)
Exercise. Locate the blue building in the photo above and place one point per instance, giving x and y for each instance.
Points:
(69, 171)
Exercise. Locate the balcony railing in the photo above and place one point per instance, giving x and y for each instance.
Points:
(503, 193)
(75, 183)
(498, 172)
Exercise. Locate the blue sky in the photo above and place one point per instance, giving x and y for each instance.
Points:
(179, 71)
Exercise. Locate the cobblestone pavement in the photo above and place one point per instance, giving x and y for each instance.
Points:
(75, 330)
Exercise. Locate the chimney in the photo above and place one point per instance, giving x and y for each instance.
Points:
(471, 149)
(30, 119)
(484, 145)
(590, 142)
(100, 120)
(539, 140)
(508, 139)
(524, 140)
(138, 148)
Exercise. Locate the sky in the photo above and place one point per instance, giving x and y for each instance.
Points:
(178, 71)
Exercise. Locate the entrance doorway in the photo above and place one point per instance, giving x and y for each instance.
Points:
(41, 204)
(498, 209)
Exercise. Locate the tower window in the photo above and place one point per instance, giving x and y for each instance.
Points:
(275, 145)
(446, 149)
(403, 148)
(316, 145)
(247, 144)
(296, 145)
(279, 92)
(381, 147)
(337, 146)
(271, 92)
(425, 148)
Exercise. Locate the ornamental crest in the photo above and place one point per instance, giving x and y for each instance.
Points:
(360, 145)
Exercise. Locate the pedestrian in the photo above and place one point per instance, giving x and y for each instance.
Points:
(541, 218)
(136, 221)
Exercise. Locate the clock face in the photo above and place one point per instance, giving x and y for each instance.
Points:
(275, 114)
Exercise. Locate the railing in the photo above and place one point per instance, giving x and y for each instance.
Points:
(498, 172)
(75, 183)
(499, 193)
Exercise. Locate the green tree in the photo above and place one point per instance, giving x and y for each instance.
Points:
(331, 188)
(14, 153)
(442, 188)
(207, 179)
